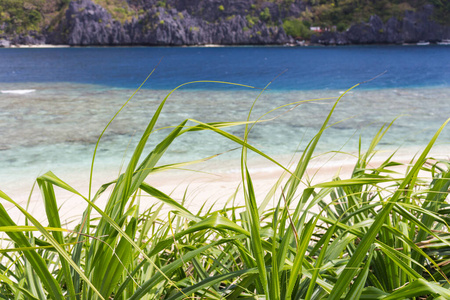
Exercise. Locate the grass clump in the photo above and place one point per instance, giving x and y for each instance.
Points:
(375, 235)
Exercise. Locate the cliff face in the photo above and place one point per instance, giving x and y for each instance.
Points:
(226, 22)
(87, 23)
(415, 27)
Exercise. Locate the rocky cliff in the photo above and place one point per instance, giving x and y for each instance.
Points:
(200, 22)
(413, 28)
(87, 23)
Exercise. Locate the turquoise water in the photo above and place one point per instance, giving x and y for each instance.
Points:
(56, 102)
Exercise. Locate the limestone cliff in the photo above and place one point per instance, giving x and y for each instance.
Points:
(200, 22)
(87, 23)
(413, 28)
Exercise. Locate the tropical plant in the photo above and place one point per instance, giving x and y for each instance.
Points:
(376, 235)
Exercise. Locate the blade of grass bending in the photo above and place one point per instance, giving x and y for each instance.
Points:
(216, 221)
(295, 179)
(22, 249)
(355, 181)
(309, 150)
(368, 239)
(140, 147)
(18, 228)
(419, 288)
(131, 179)
(252, 207)
(106, 127)
(51, 209)
(237, 140)
(166, 199)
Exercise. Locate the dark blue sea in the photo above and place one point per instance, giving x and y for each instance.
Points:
(55, 102)
(304, 68)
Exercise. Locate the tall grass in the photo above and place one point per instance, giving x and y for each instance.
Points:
(376, 235)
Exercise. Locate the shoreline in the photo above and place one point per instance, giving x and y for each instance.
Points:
(208, 184)
(289, 45)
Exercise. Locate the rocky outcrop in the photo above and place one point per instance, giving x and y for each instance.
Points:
(414, 27)
(225, 22)
(87, 23)
(4, 43)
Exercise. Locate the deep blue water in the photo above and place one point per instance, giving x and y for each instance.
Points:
(306, 68)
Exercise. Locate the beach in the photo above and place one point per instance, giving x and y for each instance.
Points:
(207, 185)
(58, 101)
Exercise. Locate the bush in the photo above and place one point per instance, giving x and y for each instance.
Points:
(296, 29)
(265, 15)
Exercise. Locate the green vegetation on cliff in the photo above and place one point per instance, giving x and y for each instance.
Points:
(21, 15)
(339, 15)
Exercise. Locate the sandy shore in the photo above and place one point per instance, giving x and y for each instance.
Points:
(207, 184)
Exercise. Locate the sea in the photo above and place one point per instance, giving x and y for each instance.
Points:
(56, 102)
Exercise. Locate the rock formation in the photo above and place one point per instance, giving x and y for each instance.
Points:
(200, 22)
(90, 24)
(415, 27)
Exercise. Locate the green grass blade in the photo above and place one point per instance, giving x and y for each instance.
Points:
(167, 270)
(51, 208)
(255, 231)
(319, 261)
(357, 258)
(35, 260)
(360, 281)
(210, 281)
(419, 288)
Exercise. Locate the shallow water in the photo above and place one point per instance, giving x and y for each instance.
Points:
(58, 125)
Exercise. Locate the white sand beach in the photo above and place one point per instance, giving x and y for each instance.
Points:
(205, 185)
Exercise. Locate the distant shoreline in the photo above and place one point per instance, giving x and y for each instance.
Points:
(307, 44)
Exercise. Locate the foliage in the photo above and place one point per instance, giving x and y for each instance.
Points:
(251, 20)
(119, 9)
(161, 4)
(20, 16)
(296, 28)
(265, 15)
(346, 12)
(442, 10)
(377, 234)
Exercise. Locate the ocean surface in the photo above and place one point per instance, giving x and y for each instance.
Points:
(55, 102)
